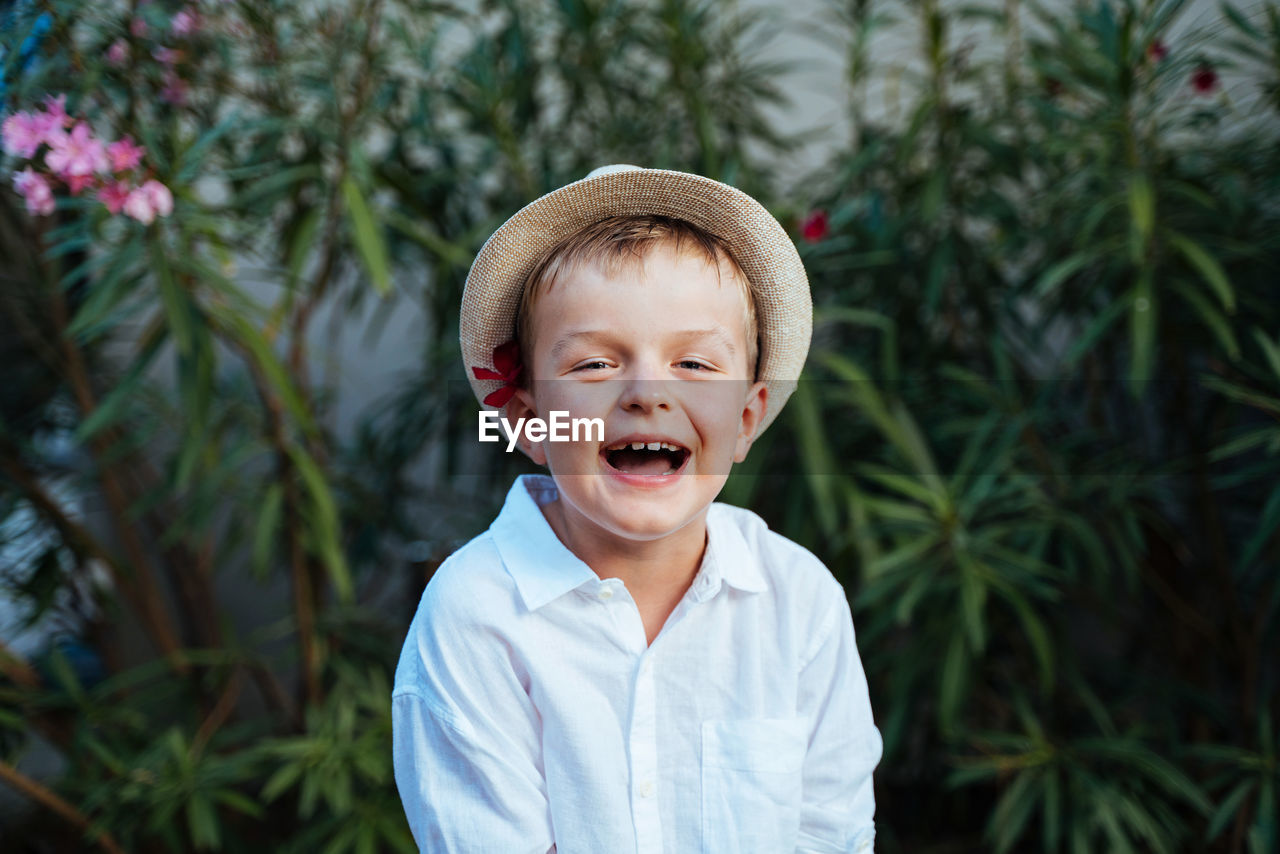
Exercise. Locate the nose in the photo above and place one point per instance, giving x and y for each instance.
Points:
(645, 390)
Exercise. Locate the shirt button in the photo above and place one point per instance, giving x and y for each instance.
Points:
(646, 789)
(864, 845)
(606, 593)
(647, 666)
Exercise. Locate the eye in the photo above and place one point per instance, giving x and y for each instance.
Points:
(597, 365)
(693, 365)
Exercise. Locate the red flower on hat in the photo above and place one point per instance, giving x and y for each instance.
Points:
(506, 358)
(814, 227)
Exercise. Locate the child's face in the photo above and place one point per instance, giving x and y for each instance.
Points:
(659, 352)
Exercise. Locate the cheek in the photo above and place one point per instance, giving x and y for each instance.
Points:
(716, 410)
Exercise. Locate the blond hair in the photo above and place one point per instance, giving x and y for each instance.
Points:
(620, 241)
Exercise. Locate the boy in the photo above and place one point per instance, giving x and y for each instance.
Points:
(620, 664)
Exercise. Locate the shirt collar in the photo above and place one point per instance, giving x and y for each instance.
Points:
(544, 569)
(542, 566)
(728, 556)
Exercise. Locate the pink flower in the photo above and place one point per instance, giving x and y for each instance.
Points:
(55, 111)
(1204, 79)
(161, 198)
(146, 202)
(185, 22)
(23, 133)
(76, 183)
(35, 191)
(118, 53)
(124, 154)
(815, 227)
(138, 206)
(1156, 51)
(113, 194)
(77, 153)
(138, 28)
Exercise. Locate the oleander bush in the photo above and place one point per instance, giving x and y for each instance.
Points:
(1037, 437)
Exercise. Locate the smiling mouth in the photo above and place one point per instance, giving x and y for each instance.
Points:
(652, 458)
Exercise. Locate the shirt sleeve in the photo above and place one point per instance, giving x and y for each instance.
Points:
(466, 742)
(845, 746)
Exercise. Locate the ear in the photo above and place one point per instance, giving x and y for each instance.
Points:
(752, 414)
(522, 405)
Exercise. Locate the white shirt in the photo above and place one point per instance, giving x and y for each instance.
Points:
(528, 709)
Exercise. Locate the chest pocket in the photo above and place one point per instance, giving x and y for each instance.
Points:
(751, 781)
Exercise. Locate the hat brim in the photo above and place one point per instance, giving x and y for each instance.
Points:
(760, 245)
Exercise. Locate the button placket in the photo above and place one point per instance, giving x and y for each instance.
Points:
(644, 762)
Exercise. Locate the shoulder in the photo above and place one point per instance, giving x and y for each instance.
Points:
(471, 585)
(789, 568)
(470, 596)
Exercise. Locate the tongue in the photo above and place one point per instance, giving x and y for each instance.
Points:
(641, 462)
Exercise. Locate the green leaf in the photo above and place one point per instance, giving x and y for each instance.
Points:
(1227, 809)
(953, 684)
(1052, 803)
(1270, 350)
(300, 247)
(973, 599)
(910, 552)
(423, 233)
(906, 485)
(1211, 317)
(253, 340)
(1036, 634)
(1208, 267)
(176, 301)
(327, 527)
(815, 451)
(112, 407)
(106, 292)
(1142, 332)
(202, 822)
(1142, 209)
(1241, 22)
(1012, 811)
(368, 238)
(1268, 524)
(278, 181)
(1095, 329)
(1060, 272)
(282, 779)
(266, 528)
(190, 159)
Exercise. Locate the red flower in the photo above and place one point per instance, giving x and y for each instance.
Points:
(1156, 51)
(1204, 79)
(506, 358)
(1053, 86)
(814, 227)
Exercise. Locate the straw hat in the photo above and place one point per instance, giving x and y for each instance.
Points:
(759, 244)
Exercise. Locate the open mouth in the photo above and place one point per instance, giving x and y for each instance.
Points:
(653, 458)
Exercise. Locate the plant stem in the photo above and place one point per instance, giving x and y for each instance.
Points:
(149, 600)
(48, 798)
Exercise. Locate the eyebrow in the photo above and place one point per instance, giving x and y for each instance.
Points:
(589, 335)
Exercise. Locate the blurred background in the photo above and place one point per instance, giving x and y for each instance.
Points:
(1038, 439)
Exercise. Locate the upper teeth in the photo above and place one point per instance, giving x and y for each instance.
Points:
(652, 446)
